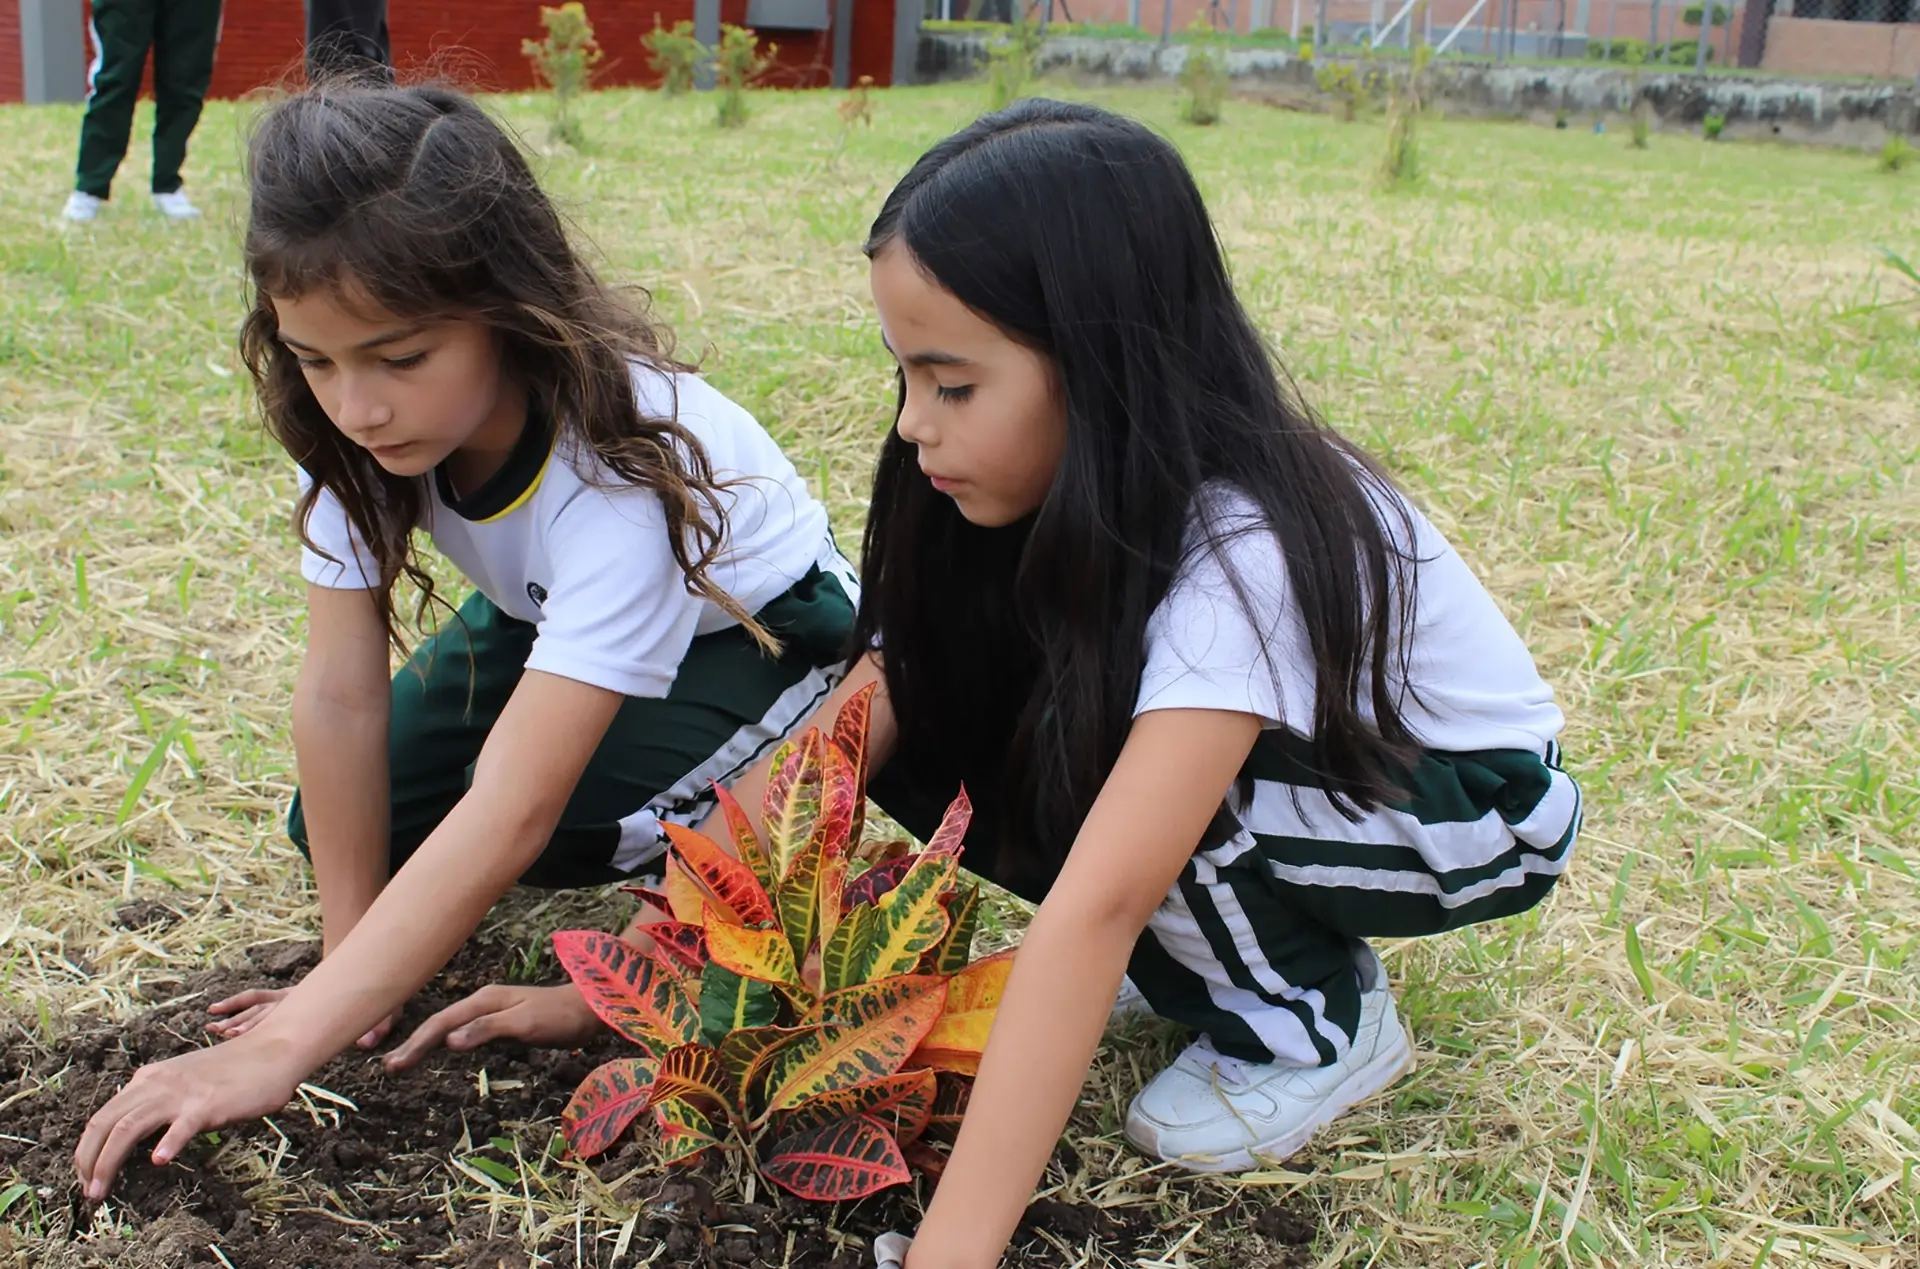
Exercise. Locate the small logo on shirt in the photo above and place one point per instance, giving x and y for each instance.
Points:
(537, 593)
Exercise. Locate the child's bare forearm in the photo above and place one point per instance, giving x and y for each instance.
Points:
(342, 756)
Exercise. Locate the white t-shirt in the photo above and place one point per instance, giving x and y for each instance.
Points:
(1475, 683)
(587, 560)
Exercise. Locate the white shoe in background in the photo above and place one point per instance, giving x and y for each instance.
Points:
(175, 206)
(82, 206)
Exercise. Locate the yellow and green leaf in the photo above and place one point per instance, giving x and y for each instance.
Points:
(730, 1002)
(950, 954)
(684, 1131)
(762, 955)
(695, 1072)
(959, 1037)
(846, 1159)
(628, 990)
(721, 875)
(872, 1030)
(798, 897)
(746, 843)
(910, 920)
(902, 1103)
(609, 1099)
(793, 799)
(844, 958)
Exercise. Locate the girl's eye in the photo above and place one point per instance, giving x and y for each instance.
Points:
(312, 363)
(408, 362)
(953, 395)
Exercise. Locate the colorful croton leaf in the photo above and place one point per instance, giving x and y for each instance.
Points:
(823, 1022)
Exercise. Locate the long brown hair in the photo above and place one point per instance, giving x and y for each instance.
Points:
(415, 198)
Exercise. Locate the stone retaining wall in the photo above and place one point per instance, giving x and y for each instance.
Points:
(1754, 106)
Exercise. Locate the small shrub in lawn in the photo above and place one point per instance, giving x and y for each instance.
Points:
(674, 55)
(1897, 153)
(1010, 62)
(564, 61)
(857, 106)
(739, 64)
(1642, 114)
(1712, 126)
(1401, 162)
(1693, 13)
(1352, 88)
(1204, 77)
(824, 1026)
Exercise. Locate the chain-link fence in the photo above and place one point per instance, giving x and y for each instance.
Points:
(1877, 38)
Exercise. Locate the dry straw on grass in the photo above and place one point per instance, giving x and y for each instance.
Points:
(1617, 380)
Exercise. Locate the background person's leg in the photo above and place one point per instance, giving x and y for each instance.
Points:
(347, 37)
(121, 31)
(185, 35)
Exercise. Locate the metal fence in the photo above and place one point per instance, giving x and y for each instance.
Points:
(1878, 38)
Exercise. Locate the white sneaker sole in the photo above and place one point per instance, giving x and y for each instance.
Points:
(1378, 1075)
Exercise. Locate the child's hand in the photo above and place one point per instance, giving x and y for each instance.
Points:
(552, 1017)
(190, 1094)
(250, 1007)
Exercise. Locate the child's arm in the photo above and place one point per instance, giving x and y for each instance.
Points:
(526, 772)
(558, 1015)
(341, 707)
(1171, 777)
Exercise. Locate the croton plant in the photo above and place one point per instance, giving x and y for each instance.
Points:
(824, 1022)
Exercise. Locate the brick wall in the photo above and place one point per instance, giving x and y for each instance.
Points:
(1816, 46)
(12, 73)
(1631, 19)
(477, 42)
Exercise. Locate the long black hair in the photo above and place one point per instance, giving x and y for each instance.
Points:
(1018, 651)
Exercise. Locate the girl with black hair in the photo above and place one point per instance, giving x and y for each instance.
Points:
(1226, 704)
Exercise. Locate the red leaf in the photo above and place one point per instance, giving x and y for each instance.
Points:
(609, 1099)
(847, 1159)
(951, 1094)
(746, 843)
(627, 990)
(874, 882)
(926, 1156)
(683, 944)
(850, 732)
(833, 837)
(652, 897)
(953, 827)
(729, 880)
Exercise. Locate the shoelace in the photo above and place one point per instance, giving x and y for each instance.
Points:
(1230, 1071)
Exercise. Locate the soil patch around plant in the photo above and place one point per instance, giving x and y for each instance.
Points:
(457, 1163)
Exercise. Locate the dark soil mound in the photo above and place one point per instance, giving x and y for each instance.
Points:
(396, 1179)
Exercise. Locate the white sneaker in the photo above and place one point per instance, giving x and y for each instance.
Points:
(1212, 1113)
(82, 206)
(175, 205)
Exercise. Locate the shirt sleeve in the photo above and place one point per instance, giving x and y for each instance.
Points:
(1210, 646)
(617, 614)
(352, 566)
